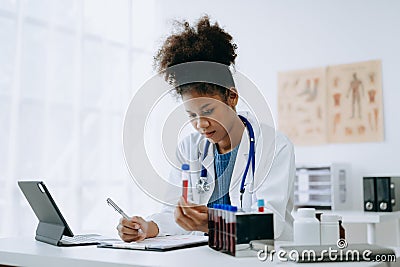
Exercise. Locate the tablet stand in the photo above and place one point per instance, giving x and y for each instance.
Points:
(49, 233)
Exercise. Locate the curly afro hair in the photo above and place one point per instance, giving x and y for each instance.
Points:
(203, 42)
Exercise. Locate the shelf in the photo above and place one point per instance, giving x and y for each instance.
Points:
(313, 203)
(316, 183)
(313, 173)
(314, 192)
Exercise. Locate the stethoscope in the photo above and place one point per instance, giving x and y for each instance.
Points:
(202, 184)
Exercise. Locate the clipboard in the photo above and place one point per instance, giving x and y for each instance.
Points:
(161, 243)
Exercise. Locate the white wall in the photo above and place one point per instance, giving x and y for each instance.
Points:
(279, 35)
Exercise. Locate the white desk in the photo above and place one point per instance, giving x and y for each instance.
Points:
(371, 219)
(29, 252)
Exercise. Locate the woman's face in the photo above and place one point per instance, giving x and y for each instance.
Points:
(209, 115)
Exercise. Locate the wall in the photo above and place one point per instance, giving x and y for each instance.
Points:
(279, 35)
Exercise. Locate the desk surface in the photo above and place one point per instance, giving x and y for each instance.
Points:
(29, 252)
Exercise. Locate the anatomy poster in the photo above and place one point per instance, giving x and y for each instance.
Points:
(302, 106)
(335, 104)
(355, 102)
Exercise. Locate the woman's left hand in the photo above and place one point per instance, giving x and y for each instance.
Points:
(191, 217)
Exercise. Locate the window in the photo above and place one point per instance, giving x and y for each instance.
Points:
(67, 71)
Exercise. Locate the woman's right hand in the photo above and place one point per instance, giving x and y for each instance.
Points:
(136, 229)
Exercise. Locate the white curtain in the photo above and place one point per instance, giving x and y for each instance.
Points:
(68, 69)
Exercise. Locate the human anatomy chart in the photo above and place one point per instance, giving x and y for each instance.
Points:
(355, 102)
(340, 103)
(302, 104)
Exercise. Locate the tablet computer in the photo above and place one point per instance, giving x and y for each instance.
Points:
(52, 228)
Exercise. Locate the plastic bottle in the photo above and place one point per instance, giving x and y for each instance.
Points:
(329, 229)
(306, 227)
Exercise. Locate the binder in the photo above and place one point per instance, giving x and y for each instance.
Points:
(369, 194)
(383, 194)
(380, 193)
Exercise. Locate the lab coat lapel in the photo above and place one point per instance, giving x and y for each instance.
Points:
(208, 163)
(238, 170)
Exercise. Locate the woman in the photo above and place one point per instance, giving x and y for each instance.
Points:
(222, 141)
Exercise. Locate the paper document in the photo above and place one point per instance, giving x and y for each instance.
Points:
(161, 243)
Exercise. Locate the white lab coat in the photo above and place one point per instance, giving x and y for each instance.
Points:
(276, 189)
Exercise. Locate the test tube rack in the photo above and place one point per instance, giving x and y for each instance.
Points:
(232, 231)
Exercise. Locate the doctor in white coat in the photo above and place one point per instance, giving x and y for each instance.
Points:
(212, 111)
(276, 189)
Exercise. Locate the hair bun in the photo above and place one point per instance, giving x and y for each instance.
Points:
(203, 42)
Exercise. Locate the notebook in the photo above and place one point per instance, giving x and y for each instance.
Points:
(53, 228)
(161, 243)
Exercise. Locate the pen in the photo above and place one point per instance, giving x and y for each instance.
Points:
(120, 211)
(117, 209)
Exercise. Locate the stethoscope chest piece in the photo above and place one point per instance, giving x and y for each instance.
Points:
(202, 185)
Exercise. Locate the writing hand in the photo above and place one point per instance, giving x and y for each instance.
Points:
(136, 229)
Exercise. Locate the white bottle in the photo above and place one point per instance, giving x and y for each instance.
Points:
(329, 229)
(306, 227)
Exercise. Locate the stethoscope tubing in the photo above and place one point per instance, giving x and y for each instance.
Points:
(251, 157)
